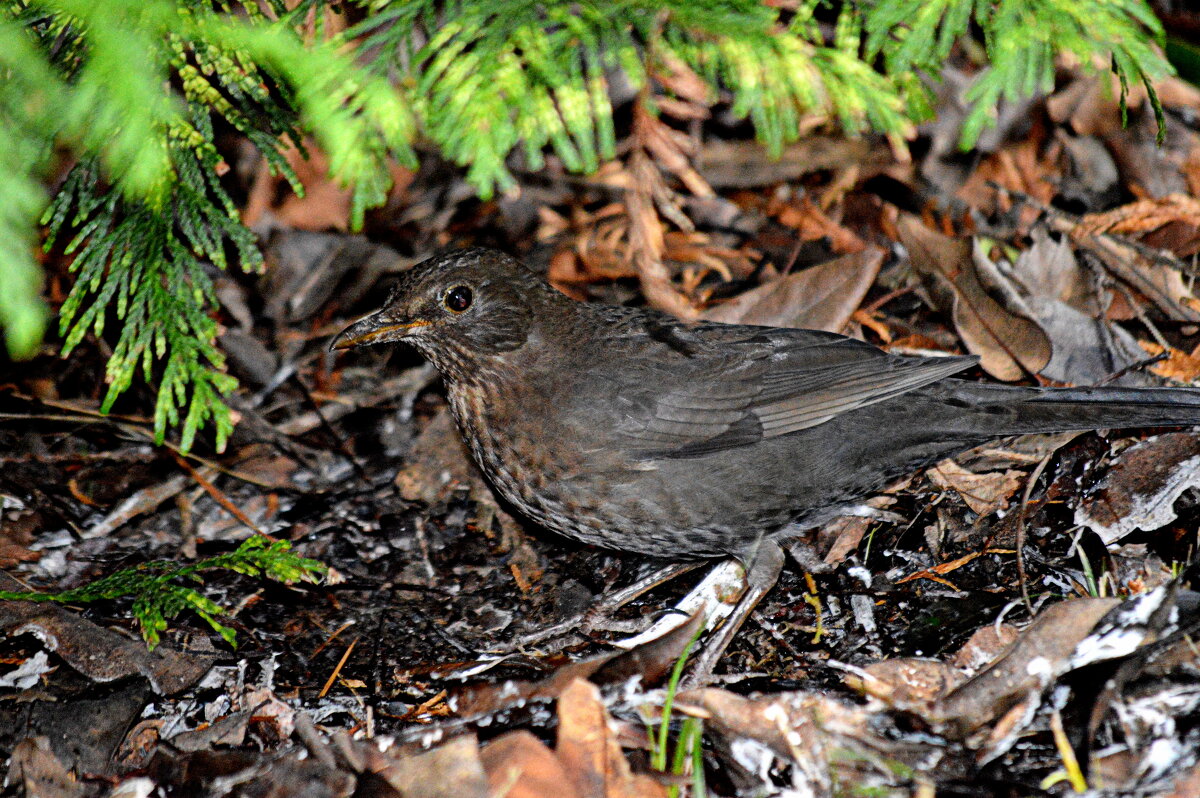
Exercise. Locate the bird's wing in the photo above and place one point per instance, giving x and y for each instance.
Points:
(735, 385)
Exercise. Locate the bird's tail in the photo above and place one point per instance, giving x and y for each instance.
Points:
(1003, 410)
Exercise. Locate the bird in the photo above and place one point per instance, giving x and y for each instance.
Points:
(632, 430)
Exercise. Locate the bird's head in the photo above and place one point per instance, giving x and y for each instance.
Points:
(466, 304)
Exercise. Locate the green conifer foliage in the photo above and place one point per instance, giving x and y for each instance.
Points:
(129, 92)
(158, 596)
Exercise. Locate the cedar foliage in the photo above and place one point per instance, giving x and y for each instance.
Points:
(128, 92)
(158, 597)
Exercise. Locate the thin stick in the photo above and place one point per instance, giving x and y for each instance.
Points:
(338, 669)
(1021, 580)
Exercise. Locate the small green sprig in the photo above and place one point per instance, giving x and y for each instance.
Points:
(157, 597)
(688, 745)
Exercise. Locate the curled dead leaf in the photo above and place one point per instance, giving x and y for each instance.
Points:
(1010, 345)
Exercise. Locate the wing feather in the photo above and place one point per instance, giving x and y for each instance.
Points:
(739, 385)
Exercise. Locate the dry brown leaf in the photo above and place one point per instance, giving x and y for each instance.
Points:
(841, 536)
(916, 344)
(813, 224)
(1090, 175)
(1170, 224)
(452, 770)
(671, 149)
(740, 164)
(1182, 239)
(1089, 104)
(812, 731)
(1026, 166)
(228, 731)
(1142, 216)
(305, 269)
(1009, 345)
(983, 493)
(99, 653)
(646, 242)
(1049, 269)
(587, 747)
(325, 204)
(1179, 365)
(1148, 168)
(34, 766)
(846, 533)
(907, 682)
(1191, 169)
(821, 298)
(16, 533)
(1064, 299)
(1033, 662)
(1187, 784)
(1140, 490)
(651, 661)
(681, 79)
(982, 648)
(519, 765)
(1158, 282)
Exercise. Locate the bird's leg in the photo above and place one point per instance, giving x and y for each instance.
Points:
(619, 598)
(762, 572)
(807, 557)
(594, 616)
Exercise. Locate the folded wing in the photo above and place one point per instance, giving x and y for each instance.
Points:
(740, 385)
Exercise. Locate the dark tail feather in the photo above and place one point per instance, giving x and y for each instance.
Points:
(1026, 410)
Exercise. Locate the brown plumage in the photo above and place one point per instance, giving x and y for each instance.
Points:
(632, 430)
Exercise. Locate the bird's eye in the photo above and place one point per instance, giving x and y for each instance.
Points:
(458, 298)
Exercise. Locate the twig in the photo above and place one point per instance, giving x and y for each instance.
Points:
(217, 496)
(338, 669)
(1021, 579)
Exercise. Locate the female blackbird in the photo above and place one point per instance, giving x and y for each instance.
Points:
(632, 430)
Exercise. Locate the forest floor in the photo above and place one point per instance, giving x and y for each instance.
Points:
(1061, 250)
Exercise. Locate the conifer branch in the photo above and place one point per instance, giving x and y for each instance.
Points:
(132, 89)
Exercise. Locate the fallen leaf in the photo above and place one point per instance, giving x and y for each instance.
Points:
(17, 529)
(100, 654)
(587, 748)
(305, 269)
(452, 770)
(1009, 345)
(908, 683)
(1089, 103)
(813, 224)
(1156, 276)
(1091, 178)
(650, 661)
(823, 297)
(34, 766)
(845, 532)
(1140, 490)
(1182, 366)
(519, 765)
(1049, 269)
(822, 738)
(983, 493)
(740, 164)
(1034, 661)
(982, 648)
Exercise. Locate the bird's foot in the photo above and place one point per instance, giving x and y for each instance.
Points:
(762, 572)
(598, 617)
(807, 557)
